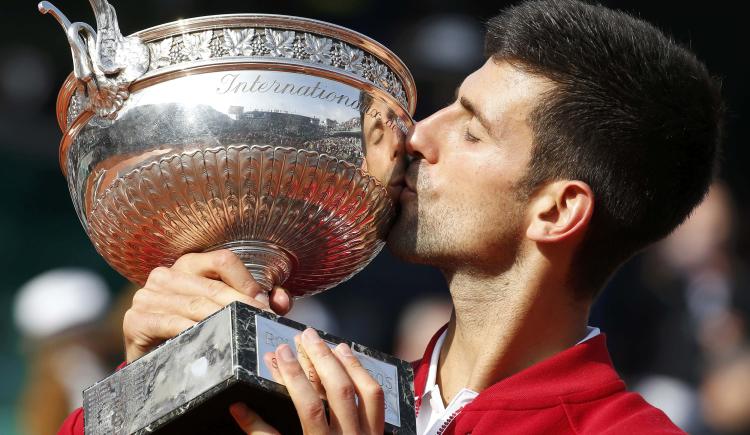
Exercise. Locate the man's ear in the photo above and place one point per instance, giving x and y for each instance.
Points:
(560, 211)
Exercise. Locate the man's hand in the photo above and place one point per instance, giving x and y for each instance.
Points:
(196, 286)
(341, 376)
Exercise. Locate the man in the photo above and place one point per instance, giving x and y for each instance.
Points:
(586, 136)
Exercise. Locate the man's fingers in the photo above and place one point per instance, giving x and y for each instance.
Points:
(339, 388)
(309, 407)
(196, 286)
(280, 301)
(307, 366)
(371, 395)
(223, 265)
(270, 359)
(177, 282)
(144, 330)
(249, 421)
(194, 308)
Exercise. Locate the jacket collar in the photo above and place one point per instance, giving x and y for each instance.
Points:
(422, 367)
(584, 369)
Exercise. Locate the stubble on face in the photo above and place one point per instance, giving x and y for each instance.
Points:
(437, 233)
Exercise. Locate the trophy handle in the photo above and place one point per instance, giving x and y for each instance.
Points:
(104, 62)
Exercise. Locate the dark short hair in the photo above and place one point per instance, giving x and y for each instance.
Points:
(633, 114)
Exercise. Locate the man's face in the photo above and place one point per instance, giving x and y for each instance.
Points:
(461, 206)
(384, 148)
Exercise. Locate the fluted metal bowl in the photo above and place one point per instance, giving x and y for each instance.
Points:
(279, 138)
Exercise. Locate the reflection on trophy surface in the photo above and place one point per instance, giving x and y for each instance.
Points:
(384, 146)
(278, 138)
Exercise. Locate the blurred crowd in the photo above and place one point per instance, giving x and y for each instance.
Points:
(677, 320)
(676, 316)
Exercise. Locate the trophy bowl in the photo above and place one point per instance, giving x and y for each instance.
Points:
(279, 138)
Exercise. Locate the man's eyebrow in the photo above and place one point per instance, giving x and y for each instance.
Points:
(469, 106)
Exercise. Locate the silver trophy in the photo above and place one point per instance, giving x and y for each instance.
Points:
(279, 138)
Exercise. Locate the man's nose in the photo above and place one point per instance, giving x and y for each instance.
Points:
(424, 138)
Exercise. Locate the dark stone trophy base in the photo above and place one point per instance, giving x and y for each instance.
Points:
(186, 385)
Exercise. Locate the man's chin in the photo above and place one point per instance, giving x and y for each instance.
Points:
(402, 239)
(402, 242)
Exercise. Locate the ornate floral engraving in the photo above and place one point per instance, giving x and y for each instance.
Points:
(261, 42)
(161, 53)
(196, 46)
(298, 48)
(392, 83)
(279, 42)
(398, 91)
(379, 74)
(319, 49)
(352, 59)
(238, 42)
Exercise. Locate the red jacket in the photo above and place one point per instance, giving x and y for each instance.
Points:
(73, 425)
(575, 392)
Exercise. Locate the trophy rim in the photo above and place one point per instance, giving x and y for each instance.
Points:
(227, 21)
(69, 132)
(291, 22)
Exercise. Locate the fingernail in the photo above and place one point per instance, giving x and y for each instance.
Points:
(239, 411)
(270, 359)
(285, 353)
(311, 335)
(344, 350)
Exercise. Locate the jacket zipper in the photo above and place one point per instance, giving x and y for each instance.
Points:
(448, 422)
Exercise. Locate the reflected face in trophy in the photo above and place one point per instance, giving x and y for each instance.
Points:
(462, 204)
(383, 146)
